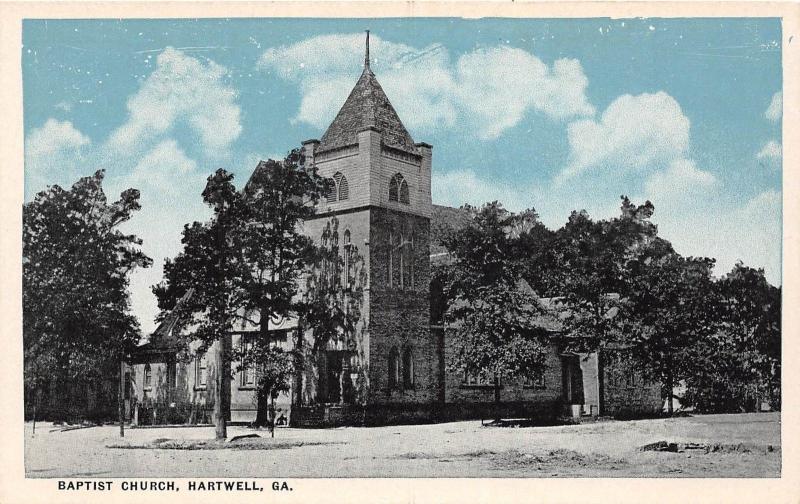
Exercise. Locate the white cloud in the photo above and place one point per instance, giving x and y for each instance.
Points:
(142, 153)
(775, 109)
(459, 187)
(491, 88)
(681, 181)
(750, 233)
(634, 132)
(181, 89)
(170, 186)
(53, 153)
(770, 150)
(161, 168)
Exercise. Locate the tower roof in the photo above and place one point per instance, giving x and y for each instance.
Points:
(367, 106)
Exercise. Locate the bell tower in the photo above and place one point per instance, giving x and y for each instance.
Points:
(379, 200)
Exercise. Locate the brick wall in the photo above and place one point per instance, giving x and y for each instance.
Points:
(626, 393)
(400, 317)
(512, 390)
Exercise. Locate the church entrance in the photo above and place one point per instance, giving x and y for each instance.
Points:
(571, 379)
(338, 386)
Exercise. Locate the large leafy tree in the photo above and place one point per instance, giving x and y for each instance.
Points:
(498, 327)
(209, 266)
(669, 309)
(244, 267)
(76, 266)
(274, 253)
(740, 364)
(589, 266)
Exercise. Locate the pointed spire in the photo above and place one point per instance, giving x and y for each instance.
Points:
(366, 55)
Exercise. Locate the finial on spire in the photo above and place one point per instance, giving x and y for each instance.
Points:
(366, 55)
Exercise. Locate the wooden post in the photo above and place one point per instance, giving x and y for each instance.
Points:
(121, 397)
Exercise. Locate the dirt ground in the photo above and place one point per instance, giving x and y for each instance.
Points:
(458, 449)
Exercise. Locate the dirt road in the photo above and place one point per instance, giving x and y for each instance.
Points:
(459, 449)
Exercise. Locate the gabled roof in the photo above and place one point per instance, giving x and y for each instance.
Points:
(367, 106)
(164, 338)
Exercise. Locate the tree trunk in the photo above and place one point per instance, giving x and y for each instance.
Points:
(262, 407)
(121, 398)
(496, 399)
(670, 386)
(35, 390)
(272, 415)
(220, 421)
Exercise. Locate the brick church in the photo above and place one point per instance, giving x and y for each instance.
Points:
(392, 367)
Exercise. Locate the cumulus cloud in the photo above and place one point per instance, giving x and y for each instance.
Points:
(160, 168)
(770, 150)
(634, 132)
(749, 232)
(775, 109)
(682, 180)
(181, 89)
(458, 187)
(490, 88)
(52, 154)
(182, 93)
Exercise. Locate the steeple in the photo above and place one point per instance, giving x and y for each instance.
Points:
(366, 55)
(367, 107)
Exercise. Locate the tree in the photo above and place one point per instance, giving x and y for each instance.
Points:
(740, 364)
(77, 324)
(273, 254)
(670, 307)
(498, 326)
(589, 266)
(209, 265)
(245, 266)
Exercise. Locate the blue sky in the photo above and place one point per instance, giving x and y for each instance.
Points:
(551, 114)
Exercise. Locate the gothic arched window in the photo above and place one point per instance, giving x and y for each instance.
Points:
(343, 188)
(394, 368)
(330, 190)
(408, 368)
(394, 187)
(398, 189)
(404, 192)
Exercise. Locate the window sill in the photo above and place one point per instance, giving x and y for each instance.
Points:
(478, 386)
(202, 387)
(247, 387)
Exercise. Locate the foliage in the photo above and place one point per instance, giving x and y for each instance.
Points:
(740, 365)
(495, 321)
(591, 266)
(670, 306)
(245, 265)
(76, 265)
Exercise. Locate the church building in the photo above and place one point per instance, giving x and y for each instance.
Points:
(392, 366)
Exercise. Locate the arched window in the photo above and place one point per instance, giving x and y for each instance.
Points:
(404, 192)
(330, 190)
(148, 376)
(347, 258)
(398, 189)
(344, 189)
(394, 368)
(408, 368)
(394, 187)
